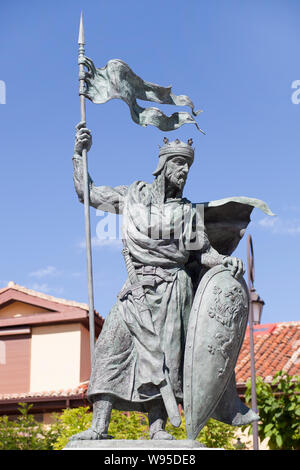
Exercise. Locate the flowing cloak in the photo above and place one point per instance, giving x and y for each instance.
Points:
(129, 361)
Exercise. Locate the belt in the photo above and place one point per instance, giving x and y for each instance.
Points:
(153, 272)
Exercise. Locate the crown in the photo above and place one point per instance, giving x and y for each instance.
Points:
(177, 148)
(170, 149)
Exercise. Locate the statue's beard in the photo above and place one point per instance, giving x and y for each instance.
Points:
(177, 180)
(168, 185)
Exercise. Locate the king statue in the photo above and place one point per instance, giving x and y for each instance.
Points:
(171, 245)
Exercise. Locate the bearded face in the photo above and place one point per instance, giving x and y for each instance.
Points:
(176, 171)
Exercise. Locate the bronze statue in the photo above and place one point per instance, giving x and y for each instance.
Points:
(139, 356)
(174, 333)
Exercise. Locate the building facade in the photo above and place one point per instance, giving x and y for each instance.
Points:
(44, 350)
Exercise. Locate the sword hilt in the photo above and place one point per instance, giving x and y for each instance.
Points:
(129, 266)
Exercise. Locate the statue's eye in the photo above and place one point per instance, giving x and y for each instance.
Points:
(179, 161)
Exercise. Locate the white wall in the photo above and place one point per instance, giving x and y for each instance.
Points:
(55, 357)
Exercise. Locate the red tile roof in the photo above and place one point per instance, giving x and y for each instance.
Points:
(71, 392)
(276, 347)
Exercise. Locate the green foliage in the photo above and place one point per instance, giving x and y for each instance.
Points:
(134, 425)
(279, 409)
(214, 434)
(122, 425)
(25, 433)
(217, 435)
(131, 425)
(178, 433)
(70, 421)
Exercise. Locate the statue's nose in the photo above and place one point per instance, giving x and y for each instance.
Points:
(186, 168)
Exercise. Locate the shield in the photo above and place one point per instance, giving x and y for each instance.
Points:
(216, 330)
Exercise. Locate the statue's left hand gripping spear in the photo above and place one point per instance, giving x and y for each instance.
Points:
(86, 193)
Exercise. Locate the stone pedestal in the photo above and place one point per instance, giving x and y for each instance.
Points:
(121, 444)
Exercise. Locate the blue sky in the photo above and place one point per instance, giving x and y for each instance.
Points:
(235, 59)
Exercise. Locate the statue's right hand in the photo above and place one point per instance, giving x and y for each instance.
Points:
(83, 138)
(89, 64)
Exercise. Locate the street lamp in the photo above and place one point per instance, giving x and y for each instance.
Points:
(255, 310)
(257, 306)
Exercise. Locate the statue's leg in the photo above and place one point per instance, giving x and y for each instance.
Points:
(102, 407)
(157, 421)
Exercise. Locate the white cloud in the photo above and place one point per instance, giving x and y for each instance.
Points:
(76, 274)
(268, 222)
(40, 287)
(103, 243)
(281, 226)
(43, 272)
(46, 289)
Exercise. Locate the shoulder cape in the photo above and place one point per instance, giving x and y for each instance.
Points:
(226, 220)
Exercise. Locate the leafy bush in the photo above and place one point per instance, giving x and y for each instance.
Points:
(214, 434)
(25, 433)
(217, 435)
(279, 409)
(122, 425)
(131, 425)
(70, 421)
(134, 425)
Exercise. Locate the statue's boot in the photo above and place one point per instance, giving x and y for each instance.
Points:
(231, 410)
(102, 408)
(157, 421)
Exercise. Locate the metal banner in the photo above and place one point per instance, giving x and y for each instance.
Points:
(216, 330)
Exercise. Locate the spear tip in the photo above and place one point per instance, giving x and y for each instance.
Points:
(81, 31)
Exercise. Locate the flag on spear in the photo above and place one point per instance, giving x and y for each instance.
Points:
(117, 80)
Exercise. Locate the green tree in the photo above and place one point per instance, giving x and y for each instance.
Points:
(279, 410)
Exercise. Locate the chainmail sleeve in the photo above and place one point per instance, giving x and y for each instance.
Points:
(210, 257)
(106, 198)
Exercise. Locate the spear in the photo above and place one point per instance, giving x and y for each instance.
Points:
(86, 194)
